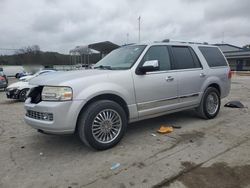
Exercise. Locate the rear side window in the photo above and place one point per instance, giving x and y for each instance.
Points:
(213, 56)
(161, 54)
(185, 58)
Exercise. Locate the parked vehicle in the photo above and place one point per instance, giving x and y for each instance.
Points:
(11, 70)
(18, 90)
(132, 83)
(3, 80)
(28, 77)
(22, 74)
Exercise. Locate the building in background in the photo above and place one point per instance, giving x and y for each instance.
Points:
(237, 57)
(91, 53)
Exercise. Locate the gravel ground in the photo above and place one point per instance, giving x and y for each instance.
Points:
(203, 153)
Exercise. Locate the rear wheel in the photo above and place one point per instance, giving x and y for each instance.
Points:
(22, 95)
(210, 104)
(102, 125)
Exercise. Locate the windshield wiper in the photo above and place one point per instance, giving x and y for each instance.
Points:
(103, 67)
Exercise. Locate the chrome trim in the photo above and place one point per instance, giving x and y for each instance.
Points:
(163, 102)
(190, 95)
(171, 71)
(156, 103)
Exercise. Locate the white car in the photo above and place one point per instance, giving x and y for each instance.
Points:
(18, 90)
(26, 78)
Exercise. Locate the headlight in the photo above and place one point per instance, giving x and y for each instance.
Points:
(54, 93)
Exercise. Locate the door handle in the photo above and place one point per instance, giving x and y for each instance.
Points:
(202, 74)
(169, 78)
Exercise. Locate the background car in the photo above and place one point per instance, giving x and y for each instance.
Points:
(18, 90)
(3, 80)
(22, 74)
(36, 74)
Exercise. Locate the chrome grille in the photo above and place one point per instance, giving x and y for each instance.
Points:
(39, 115)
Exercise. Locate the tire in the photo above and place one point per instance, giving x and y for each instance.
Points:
(100, 117)
(22, 95)
(206, 110)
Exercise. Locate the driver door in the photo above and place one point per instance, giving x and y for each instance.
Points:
(156, 91)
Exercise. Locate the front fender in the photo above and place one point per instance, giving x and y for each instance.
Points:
(106, 88)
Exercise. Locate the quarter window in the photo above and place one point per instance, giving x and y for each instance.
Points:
(213, 56)
(161, 54)
(185, 58)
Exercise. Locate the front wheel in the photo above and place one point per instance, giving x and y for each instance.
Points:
(210, 104)
(22, 95)
(102, 124)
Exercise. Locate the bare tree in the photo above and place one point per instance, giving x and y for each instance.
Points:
(247, 46)
(34, 49)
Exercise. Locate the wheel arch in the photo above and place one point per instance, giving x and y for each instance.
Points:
(216, 86)
(106, 96)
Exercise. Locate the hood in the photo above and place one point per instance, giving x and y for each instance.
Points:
(64, 78)
(19, 85)
(26, 77)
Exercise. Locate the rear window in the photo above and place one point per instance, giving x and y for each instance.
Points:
(213, 56)
(185, 58)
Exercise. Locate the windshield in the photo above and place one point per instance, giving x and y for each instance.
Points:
(121, 58)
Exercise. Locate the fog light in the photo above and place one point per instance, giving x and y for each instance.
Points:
(45, 117)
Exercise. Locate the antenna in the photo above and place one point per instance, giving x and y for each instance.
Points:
(139, 29)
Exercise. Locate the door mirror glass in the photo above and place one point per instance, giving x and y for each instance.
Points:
(149, 66)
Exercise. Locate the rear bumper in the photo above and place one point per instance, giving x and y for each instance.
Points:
(226, 89)
(65, 116)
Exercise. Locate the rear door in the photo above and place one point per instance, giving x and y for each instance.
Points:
(156, 91)
(190, 73)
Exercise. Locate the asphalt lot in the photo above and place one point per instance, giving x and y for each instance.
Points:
(203, 153)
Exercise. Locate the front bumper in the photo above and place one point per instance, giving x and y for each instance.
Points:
(64, 114)
(12, 94)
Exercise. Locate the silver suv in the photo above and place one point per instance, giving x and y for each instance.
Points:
(132, 83)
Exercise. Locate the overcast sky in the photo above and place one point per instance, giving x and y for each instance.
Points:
(60, 25)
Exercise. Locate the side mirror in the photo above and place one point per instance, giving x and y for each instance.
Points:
(149, 66)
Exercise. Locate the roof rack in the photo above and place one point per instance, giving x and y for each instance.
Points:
(184, 42)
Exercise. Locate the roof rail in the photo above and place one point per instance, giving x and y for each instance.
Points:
(185, 42)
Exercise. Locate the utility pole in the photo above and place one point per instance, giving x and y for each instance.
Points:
(139, 27)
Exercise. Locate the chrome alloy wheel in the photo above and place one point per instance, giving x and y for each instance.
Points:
(212, 103)
(106, 126)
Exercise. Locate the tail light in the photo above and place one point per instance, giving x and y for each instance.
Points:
(229, 74)
(2, 78)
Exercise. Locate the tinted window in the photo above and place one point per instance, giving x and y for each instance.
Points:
(213, 56)
(161, 54)
(185, 58)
